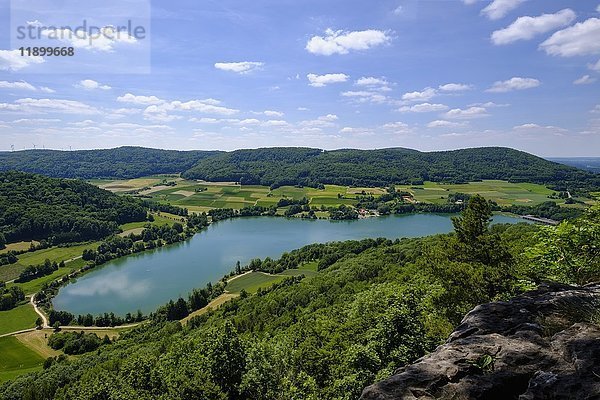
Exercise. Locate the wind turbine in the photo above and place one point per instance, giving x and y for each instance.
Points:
(33, 145)
(12, 147)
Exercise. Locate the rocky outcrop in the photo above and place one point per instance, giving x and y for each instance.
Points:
(544, 344)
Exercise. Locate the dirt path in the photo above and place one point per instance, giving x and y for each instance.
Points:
(216, 303)
(39, 312)
(239, 276)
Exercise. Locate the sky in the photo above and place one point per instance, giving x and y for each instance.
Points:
(427, 75)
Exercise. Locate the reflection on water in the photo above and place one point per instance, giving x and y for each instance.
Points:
(148, 280)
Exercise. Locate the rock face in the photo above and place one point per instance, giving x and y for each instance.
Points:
(542, 345)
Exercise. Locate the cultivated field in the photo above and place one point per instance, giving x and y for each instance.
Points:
(17, 359)
(17, 319)
(200, 196)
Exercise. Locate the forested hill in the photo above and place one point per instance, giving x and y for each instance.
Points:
(303, 166)
(290, 166)
(122, 162)
(60, 210)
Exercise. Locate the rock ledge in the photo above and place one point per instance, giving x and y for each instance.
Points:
(544, 344)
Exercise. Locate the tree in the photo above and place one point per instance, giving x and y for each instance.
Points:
(2, 241)
(474, 221)
(39, 323)
(569, 252)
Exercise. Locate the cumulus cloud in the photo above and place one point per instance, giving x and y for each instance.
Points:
(21, 85)
(424, 95)
(577, 40)
(595, 67)
(11, 60)
(584, 80)
(89, 84)
(440, 123)
(371, 81)
(468, 113)
(424, 108)
(342, 42)
(525, 28)
(455, 87)
(499, 8)
(44, 106)
(141, 100)
(243, 67)
(364, 96)
(324, 80)
(515, 83)
(271, 113)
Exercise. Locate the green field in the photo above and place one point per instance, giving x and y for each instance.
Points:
(58, 254)
(17, 319)
(203, 196)
(16, 359)
(250, 282)
(502, 192)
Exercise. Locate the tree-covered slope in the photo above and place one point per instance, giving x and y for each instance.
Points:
(122, 162)
(285, 166)
(37, 207)
(375, 306)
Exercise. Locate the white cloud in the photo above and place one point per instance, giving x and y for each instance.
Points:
(455, 87)
(160, 111)
(46, 89)
(598, 9)
(468, 113)
(577, 40)
(470, 2)
(106, 41)
(595, 67)
(445, 124)
(36, 121)
(515, 83)
(89, 84)
(11, 60)
(249, 121)
(302, 109)
(43, 106)
(364, 96)
(425, 95)
(271, 113)
(525, 28)
(141, 100)
(489, 104)
(342, 42)
(596, 110)
(21, 85)
(323, 80)
(584, 80)
(536, 127)
(499, 8)
(423, 108)
(371, 81)
(243, 67)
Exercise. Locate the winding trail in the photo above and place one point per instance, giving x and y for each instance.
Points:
(39, 312)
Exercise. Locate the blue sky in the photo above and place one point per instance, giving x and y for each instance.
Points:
(429, 75)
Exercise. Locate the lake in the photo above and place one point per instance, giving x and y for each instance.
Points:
(148, 280)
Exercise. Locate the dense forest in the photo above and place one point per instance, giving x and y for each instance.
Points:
(122, 162)
(60, 210)
(304, 166)
(375, 306)
(311, 167)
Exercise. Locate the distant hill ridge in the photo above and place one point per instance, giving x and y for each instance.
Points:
(302, 166)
